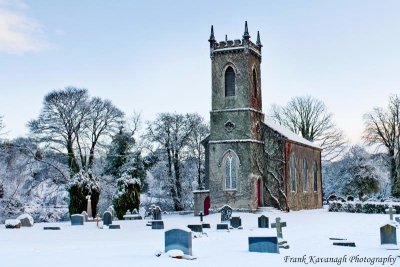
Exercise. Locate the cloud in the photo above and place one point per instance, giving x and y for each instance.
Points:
(19, 34)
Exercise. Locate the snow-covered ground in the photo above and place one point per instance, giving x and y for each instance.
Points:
(135, 244)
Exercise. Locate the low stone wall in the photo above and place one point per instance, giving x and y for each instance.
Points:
(363, 207)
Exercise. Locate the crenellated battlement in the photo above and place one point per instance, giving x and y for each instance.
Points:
(235, 46)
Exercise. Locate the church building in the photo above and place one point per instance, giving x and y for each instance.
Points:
(252, 162)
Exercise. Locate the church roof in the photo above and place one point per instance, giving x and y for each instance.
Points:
(289, 134)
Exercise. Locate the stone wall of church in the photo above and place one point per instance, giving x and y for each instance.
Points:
(244, 196)
(300, 198)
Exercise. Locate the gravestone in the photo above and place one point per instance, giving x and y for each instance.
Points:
(134, 211)
(222, 226)
(178, 239)
(263, 222)
(278, 225)
(12, 224)
(77, 219)
(226, 213)
(264, 244)
(26, 220)
(156, 212)
(390, 211)
(388, 234)
(156, 225)
(344, 244)
(114, 226)
(397, 219)
(206, 225)
(236, 222)
(85, 216)
(198, 228)
(107, 218)
(51, 228)
(201, 216)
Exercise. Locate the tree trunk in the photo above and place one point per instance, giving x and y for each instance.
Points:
(72, 164)
(178, 185)
(395, 188)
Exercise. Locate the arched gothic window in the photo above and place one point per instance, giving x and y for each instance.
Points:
(305, 175)
(229, 82)
(231, 161)
(292, 172)
(315, 172)
(254, 83)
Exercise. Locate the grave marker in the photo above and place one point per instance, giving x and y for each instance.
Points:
(178, 239)
(77, 219)
(278, 225)
(222, 226)
(388, 234)
(156, 225)
(390, 211)
(226, 213)
(107, 218)
(263, 244)
(263, 222)
(236, 222)
(198, 228)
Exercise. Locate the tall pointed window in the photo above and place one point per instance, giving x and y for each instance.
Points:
(315, 172)
(254, 83)
(292, 173)
(305, 175)
(231, 169)
(229, 82)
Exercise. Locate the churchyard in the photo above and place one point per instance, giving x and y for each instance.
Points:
(308, 237)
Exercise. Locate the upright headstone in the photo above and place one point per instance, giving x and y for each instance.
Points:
(156, 211)
(264, 244)
(134, 211)
(178, 239)
(390, 211)
(196, 228)
(89, 207)
(388, 234)
(278, 225)
(157, 225)
(142, 212)
(236, 222)
(263, 222)
(107, 218)
(77, 219)
(226, 213)
(26, 220)
(397, 219)
(85, 216)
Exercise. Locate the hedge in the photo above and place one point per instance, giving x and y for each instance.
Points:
(363, 207)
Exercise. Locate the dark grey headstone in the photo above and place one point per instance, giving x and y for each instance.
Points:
(51, 228)
(226, 213)
(196, 228)
(178, 239)
(388, 234)
(107, 218)
(236, 222)
(157, 225)
(77, 219)
(264, 244)
(206, 225)
(222, 226)
(263, 222)
(26, 220)
(114, 226)
(344, 244)
(397, 219)
(156, 212)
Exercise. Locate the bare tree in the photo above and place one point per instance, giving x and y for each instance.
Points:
(309, 117)
(70, 121)
(171, 132)
(382, 128)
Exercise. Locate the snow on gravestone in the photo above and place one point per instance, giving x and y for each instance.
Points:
(13, 224)
(226, 213)
(26, 220)
(178, 239)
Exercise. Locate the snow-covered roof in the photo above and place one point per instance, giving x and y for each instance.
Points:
(289, 134)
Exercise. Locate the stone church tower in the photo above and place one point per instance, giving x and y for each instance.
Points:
(251, 162)
(235, 122)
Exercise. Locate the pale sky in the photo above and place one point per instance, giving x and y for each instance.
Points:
(153, 56)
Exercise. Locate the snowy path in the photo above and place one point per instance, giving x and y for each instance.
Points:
(307, 233)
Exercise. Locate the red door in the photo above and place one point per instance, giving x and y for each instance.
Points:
(207, 205)
(259, 192)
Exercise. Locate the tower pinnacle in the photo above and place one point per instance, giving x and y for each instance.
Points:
(258, 40)
(212, 37)
(246, 34)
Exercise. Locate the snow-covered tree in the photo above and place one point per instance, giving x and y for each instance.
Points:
(127, 196)
(83, 184)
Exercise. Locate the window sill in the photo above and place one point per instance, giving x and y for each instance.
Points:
(230, 190)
